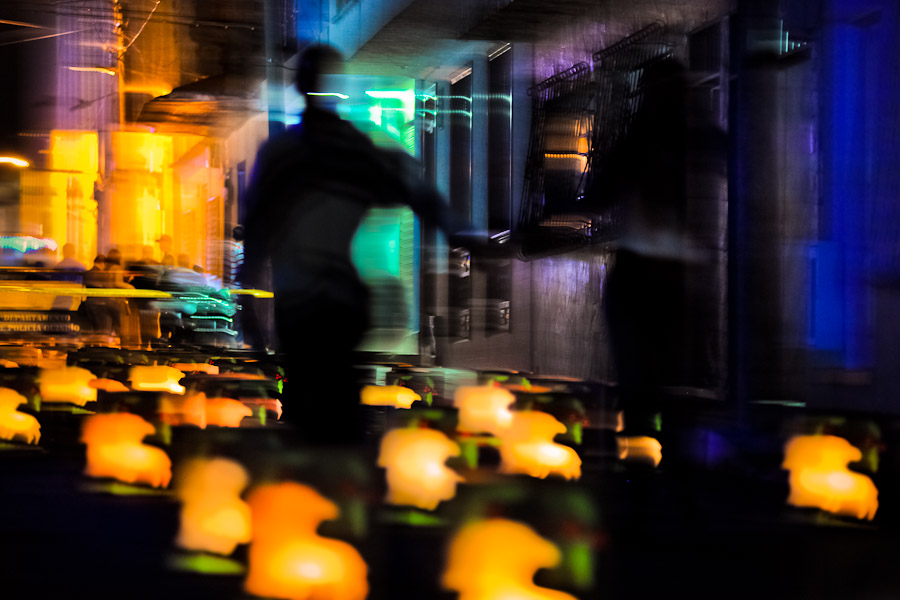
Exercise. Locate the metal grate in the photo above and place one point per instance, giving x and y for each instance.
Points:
(579, 116)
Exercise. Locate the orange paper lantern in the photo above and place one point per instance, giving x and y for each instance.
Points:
(527, 447)
(288, 559)
(201, 411)
(108, 385)
(483, 409)
(496, 559)
(416, 473)
(114, 449)
(213, 516)
(639, 448)
(70, 385)
(819, 476)
(156, 379)
(197, 368)
(226, 412)
(388, 395)
(16, 425)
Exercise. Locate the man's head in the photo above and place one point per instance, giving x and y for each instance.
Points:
(316, 62)
(165, 243)
(68, 250)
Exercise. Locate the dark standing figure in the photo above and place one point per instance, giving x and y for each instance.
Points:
(646, 292)
(310, 189)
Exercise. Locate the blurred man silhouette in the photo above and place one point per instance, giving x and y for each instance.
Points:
(310, 189)
(646, 290)
(69, 262)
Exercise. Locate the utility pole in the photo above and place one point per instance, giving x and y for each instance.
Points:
(119, 21)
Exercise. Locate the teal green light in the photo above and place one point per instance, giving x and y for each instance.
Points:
(332, 94)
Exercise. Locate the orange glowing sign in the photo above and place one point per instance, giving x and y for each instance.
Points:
(483, 409)
(213, 516)
(819, 476)
(14, 424)
(416, 473)
(496, 559)
(67, 385)
(114, 449)
(156, 379)
(288, 559)
(527, 447)
(639, 448)
(389, 395)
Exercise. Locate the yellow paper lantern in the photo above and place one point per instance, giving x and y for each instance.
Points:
(156, 379)
(397, 396)
(819, 476)
(70, 385)
(496, 559)
(639, 448)
(114, 449)
(483, 409)
(14, 424)
(288, 559)
(416, 473)
(213, 516)
(527, 447)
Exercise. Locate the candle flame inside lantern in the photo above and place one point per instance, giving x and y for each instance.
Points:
(527, 447)
(416, 473)
(483, 409)
(288, 559)
(156, 379)
(397, 396)
(213, 516)
(13, 424)
(819, 476)
(70, 385)
(114, 449)
(496, 559)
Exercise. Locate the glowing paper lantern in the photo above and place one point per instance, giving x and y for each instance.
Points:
(70, 385)
(201, 411)
(640, 448)
(416, 473)
(272, 404)
(114, 449)
(819, 476)
(527, 447)
(197, 368)
(225, 412)
(483, 409)
(183, 410)
(496, 559)
(213, 516)
(108, 385)
(389, 395)
(156, 379)
(288, 559)
(14, 424)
